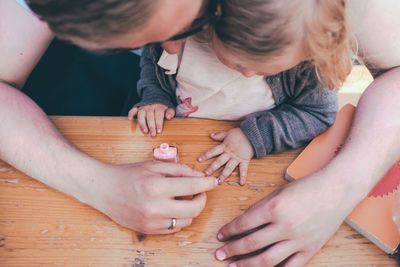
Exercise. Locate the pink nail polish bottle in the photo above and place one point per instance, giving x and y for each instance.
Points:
(166, 153)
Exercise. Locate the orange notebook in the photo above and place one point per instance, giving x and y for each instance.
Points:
(372, 217)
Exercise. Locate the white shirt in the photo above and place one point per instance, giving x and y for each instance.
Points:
(209, 89)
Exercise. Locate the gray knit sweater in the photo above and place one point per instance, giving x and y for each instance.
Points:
(304, 108)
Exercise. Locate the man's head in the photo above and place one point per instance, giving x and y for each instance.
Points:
(114, 24)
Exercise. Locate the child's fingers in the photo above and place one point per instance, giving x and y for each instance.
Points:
(132, 113)
(151, 122)
(229, 168)
(159, 119)
(141, 118)
(213, 152)
(216, 164)
(170, 113)
(243, 168)
(218, 136)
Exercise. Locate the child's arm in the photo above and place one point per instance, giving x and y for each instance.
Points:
(156, 101)
(307, 111)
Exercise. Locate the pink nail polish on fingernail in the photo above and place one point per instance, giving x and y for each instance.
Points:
(166, 153)
(220, 255)
(233, 264)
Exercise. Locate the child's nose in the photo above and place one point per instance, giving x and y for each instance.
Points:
(172, 47)
(247, 73)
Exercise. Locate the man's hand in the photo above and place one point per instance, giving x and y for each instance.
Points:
(142, 196)
(293, 223)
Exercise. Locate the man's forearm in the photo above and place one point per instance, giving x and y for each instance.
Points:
(373, 144)
(31, 143)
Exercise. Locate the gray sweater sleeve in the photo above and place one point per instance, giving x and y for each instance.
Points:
(149, 87)
(304, 110)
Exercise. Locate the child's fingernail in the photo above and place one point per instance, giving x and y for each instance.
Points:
(220, 236)
(233, 264)
(220, 255)
(159, 131)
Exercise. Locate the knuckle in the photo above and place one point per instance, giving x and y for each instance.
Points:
(273, 208)
(208, 154)
(148, 213)
(252, 242)
(267, 259)
(242, 222)
(147, 230)
(218, 162)
(227, 171)
(147, 188)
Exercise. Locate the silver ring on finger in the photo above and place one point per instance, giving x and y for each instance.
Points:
(173, 224)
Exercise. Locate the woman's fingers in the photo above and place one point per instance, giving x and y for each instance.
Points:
(254, 217)
(172, 169)
(185, 208)
(252, 242)
(272, 256)
(185, 186)
(299, 259)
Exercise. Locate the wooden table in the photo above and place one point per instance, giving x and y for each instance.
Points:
(42, 227)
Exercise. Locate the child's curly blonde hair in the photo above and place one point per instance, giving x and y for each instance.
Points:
(265, 28)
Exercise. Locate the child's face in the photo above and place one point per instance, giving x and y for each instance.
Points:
(263, 66)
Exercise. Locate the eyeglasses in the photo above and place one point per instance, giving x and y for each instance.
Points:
(213, 12)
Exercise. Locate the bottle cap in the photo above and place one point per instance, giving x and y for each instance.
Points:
(164, 147)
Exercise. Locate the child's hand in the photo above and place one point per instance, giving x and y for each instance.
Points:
(235, 150)
(151, 117)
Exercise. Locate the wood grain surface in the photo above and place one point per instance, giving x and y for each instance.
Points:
(42, 227)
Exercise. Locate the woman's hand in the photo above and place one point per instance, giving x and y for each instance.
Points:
(293, 222)
(151, 117)
(141, 196)
(235, 150)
